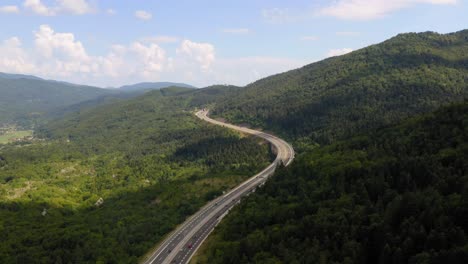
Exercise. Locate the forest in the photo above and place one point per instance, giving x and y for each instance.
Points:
(396, 195)
(106, 183)
(376, 86)
(380, 174)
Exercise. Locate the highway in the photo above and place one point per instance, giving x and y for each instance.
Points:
(182, 243)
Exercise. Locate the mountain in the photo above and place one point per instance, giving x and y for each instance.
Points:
(18, 76)
(381, 170)
(148, 160)
(26, 98)
(372, 87)
(153, 86)
(396, 195)
(127, 118)
(386, 182)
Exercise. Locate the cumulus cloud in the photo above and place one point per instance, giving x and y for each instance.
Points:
(201, 53)
(338, 52)
(62, 56)
(236, 30)
(76, 7)
(372, 9)
(9, 9)
(13, 58)
(143, 15)
(152, 58)
(59, 45)
(37, 7)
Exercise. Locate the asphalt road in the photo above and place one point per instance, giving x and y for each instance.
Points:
(182, 243)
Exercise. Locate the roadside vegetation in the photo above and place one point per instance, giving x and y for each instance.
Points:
(398, 195)
(109, 182)
(380, 175)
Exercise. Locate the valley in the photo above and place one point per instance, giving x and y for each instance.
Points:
(164, 174)
(242, 134)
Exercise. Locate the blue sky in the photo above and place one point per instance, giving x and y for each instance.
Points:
(115, 42)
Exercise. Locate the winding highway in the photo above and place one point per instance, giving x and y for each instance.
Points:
(183, 242)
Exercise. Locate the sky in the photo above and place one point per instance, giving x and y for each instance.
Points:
(109, 43)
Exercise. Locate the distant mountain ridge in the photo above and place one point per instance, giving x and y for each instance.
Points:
(153, 86)
(4, 75)
(24, 98)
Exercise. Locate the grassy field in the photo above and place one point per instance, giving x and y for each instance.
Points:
(16, 134)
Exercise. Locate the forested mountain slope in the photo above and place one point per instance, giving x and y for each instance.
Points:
(136, 122)
(152, 86)
(28, 98)
(372, 87)
(397, 195)
(149, 158)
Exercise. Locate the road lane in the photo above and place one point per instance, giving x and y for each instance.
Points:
(182, 243)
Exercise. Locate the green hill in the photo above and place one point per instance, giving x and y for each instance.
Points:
(398, 195)
(153, 86)
(149, 158)
(372, 87)
(129, 123)
(26, 99)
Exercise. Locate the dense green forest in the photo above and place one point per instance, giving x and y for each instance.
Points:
(152, 86)
(376, 86)
(106, 183)
(397, 195)
(379, 177)
(25, 99)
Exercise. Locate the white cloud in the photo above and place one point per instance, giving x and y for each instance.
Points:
(310, 38)
(201, 53)
(61, 45)
(37, 7)
(75, 7)
(338, 52)
(59, 55)
(143, 15)
(152, 58)
(348, 33)
(9, 9)
(13, 58)
(372, 9)
(236, 30)
(62, 56)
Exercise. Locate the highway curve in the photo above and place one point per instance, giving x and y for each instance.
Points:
(182, 243)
